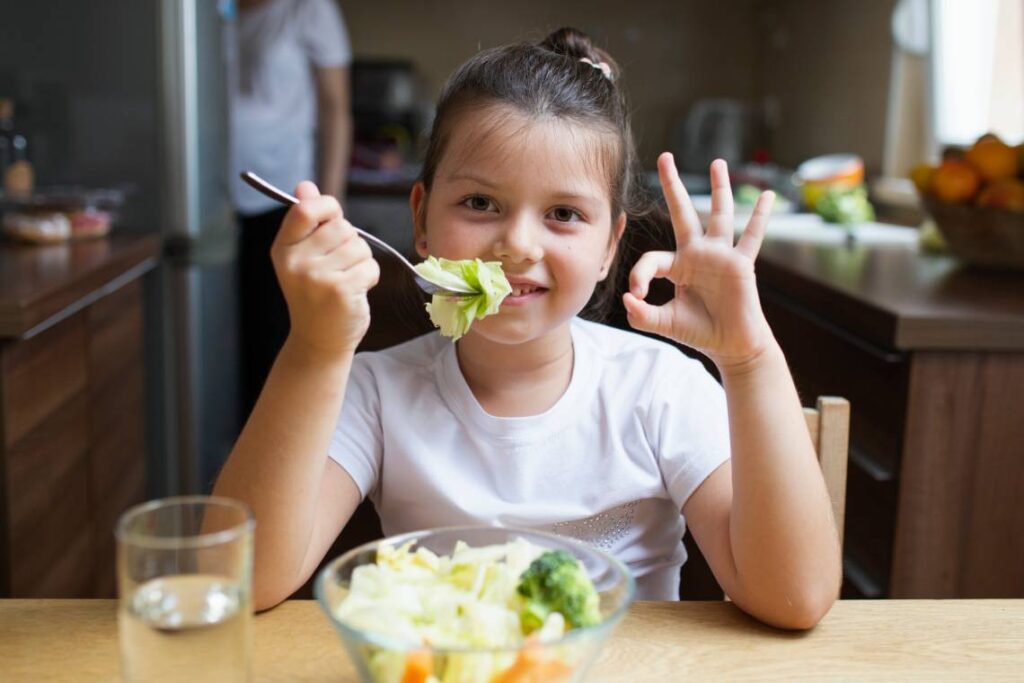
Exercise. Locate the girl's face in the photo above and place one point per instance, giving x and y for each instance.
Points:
(532, 195)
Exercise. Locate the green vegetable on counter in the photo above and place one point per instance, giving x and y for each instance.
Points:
(930, 239)
(454, 315)
(557, 582)
(846, 206)
(747, 194)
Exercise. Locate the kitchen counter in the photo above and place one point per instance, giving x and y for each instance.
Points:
(894, 296)
(72, 410)
(40, 282)
(930, 354)
(76, 640)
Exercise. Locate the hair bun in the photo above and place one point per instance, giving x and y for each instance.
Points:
(576, 44)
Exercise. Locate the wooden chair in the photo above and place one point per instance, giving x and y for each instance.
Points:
(829, 424)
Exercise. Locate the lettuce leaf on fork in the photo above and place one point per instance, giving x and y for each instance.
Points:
(454, 315)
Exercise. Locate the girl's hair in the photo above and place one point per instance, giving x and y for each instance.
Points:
(549, 79)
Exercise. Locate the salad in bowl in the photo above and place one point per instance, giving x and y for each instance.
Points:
(474, 605)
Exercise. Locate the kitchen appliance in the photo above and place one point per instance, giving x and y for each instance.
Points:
(713, 129)
(120, 92)
(388, 113)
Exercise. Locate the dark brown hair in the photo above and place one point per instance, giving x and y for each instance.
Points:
(549, 79)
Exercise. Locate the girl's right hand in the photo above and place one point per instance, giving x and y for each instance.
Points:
(325, 269)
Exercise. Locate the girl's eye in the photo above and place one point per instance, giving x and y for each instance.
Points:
(564, 214)
(478, 203)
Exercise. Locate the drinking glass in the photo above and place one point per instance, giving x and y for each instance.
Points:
(184, 568)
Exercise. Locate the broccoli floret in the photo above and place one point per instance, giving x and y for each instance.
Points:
(557, 582)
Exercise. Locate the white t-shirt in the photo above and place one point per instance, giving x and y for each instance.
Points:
(639, 428)
(273, 104)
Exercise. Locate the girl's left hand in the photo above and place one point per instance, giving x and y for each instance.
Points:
(716, 309)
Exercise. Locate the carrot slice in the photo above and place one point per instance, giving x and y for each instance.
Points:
(530, 667)
(419, 665)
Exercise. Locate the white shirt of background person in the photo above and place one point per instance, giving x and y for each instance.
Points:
(289, 97)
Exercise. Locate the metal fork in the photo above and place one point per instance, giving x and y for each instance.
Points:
(423, 283)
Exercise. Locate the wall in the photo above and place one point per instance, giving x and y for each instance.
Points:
(826, 66)
(822, 67)
(83, 74)
(672, 51)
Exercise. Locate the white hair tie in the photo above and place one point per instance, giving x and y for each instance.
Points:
(600, 66)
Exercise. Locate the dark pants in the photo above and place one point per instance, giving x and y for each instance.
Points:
(264, 315)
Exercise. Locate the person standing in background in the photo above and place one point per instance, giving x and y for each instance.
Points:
(290, 120)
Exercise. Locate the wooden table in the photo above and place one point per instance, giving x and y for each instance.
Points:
(76, 640)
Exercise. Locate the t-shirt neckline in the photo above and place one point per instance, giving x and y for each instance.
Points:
(461, 401)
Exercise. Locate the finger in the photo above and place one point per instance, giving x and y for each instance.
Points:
(352, 252)
(306, 190)
(306, 216)
(721, 223)
(750, 241)
(651, 265)
(363, 276)
(685, 221)
(645, 317)
(327, 238)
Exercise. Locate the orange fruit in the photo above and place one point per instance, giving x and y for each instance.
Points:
(922, 177)
(955, 181)
(988, 137)
(993, 159)
(1003, 194)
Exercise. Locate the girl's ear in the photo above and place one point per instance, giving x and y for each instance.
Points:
(613, 244)
(418, 205)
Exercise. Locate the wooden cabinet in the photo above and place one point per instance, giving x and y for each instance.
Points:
(825, 360)
(931, 357)
(72, 412)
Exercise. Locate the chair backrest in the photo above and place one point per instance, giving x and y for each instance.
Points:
(829, 424)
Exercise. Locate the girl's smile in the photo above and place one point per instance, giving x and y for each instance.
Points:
(523, 292)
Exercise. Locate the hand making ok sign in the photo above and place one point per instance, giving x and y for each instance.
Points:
(716, 309)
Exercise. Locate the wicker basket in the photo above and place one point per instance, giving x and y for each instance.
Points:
(983, 237)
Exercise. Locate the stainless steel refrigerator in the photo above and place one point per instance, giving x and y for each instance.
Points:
(133, 93)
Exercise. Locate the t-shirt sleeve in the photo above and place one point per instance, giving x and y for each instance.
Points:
(324, 36)
(689, 425)
(357, 441)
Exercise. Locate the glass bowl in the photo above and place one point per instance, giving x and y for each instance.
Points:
(380, 659)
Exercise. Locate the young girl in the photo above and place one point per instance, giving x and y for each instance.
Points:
(537, 418)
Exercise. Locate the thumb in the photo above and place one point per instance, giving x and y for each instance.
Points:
(644, 317)
(306, 190)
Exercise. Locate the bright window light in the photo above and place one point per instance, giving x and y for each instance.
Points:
(978, 62)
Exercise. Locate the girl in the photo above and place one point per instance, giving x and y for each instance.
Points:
(537, 418)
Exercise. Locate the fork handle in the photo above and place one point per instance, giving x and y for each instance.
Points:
(269, 190)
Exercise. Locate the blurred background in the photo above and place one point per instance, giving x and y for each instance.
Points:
(122, 112)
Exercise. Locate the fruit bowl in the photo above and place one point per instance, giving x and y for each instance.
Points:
(982, 236)
(385, 659)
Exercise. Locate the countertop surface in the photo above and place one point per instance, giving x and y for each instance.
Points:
(882, 288)
(76, 640)
(38, 282)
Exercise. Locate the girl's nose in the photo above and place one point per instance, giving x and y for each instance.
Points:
(520, 242)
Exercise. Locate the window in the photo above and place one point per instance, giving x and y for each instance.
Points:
(957, 72)
(977, 70)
